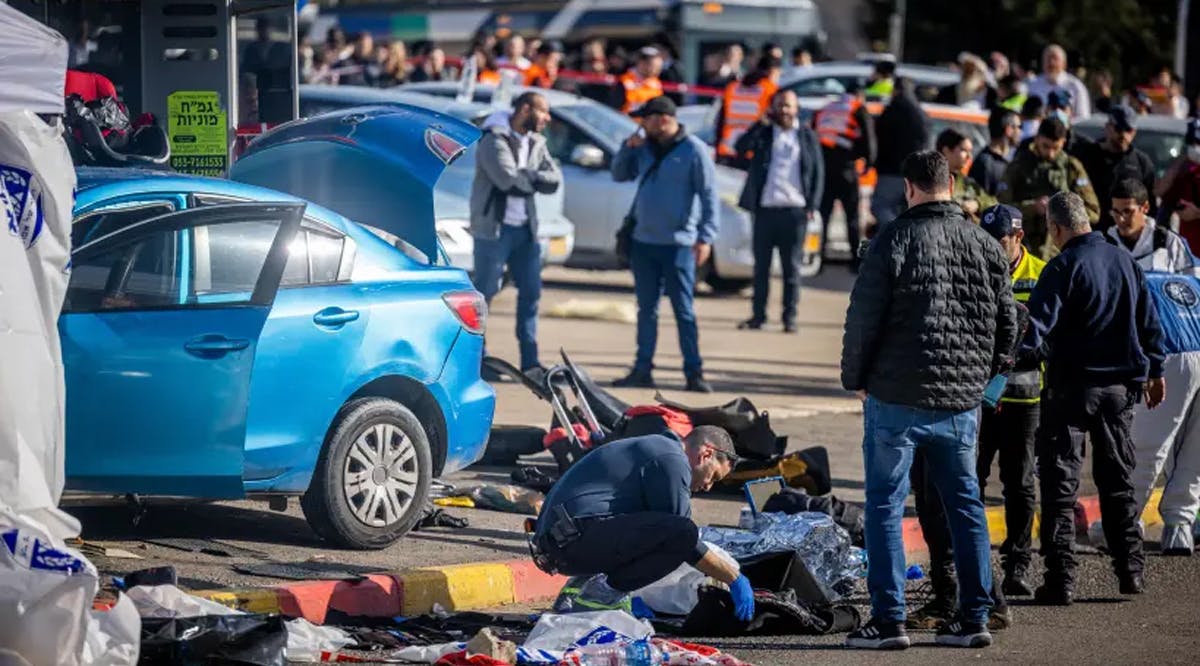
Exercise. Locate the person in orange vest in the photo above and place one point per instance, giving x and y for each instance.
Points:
(641, 84)
(543, 73)
(485, 64)
(847, 134)
(743, 103)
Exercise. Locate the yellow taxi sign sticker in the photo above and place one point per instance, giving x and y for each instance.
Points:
(198, 132)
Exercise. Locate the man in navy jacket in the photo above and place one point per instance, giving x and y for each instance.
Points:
(784, 185)
(1092, 320)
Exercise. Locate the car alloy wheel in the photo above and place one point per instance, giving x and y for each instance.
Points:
(380, 475)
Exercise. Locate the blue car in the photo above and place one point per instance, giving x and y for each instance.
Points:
(223, 340)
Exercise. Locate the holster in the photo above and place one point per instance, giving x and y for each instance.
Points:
(561, 532)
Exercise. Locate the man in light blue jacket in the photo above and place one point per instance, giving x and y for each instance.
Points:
(674, 224)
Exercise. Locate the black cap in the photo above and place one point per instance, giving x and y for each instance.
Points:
(1123, 117)
(1001, 220)
(659, 105)
(550, 46)
(1059, 98)
(1192, 136)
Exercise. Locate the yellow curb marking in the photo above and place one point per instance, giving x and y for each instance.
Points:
(251, 600)
(457, 587)
(998, 531)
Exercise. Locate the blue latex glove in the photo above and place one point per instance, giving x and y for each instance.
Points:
(743, 599)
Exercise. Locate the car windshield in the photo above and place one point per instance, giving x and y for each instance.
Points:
(610, 125)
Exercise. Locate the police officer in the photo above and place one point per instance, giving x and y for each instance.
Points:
(957, 149)
(621, 518)
(847, 134)
(1009, 431)
(1091, 319)
(1039, 170)
(882, 84)
(743, 104)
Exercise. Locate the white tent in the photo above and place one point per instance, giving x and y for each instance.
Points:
(33, 64)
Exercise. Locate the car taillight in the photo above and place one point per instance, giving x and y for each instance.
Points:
(469, 307)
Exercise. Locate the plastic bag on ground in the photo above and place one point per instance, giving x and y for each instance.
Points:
(677, 592)
(248, 639)
(113, 636)
(306, 641)
(558, 632)
(167, 601)
(46, 593)
(821, 543)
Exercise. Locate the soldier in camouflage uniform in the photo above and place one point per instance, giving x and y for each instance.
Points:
(957, 150)
(1037, 172)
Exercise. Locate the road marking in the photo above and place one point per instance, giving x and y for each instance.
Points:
(457, 587)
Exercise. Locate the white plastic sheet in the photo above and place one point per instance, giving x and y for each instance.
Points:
(113, 636)
(678, 592)
(33, 64)
(168, 601)
(306, 641)
(37, 183)
(557, 632)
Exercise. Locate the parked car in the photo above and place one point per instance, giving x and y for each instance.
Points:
(452, 195)
(585, 136)
(223, 340)
(1161, 137)
(829, 79)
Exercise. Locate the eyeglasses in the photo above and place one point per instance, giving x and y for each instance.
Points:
(1125, 213)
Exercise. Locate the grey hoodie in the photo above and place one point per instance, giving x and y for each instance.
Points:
(497, 176)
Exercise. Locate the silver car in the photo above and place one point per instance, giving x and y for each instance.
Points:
(585, 136)
(452, 195)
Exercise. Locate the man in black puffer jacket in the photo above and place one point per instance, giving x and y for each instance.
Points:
(931, 321)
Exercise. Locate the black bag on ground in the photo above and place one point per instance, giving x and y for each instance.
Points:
(849, 516)
(506, 443)
(750, 429)
(254, 640)
(807, 469)
(775, 614)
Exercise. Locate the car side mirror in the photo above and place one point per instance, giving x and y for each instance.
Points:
(587, 156)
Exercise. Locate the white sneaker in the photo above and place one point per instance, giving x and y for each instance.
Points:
(1177, 540)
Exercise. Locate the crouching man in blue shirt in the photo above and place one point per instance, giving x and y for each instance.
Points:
(621, 518)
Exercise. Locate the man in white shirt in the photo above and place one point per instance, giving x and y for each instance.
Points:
(785, 179)
(1055, 76)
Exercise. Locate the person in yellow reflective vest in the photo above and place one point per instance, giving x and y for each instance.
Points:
(882, 84)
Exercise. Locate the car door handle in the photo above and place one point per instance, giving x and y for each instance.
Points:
(335, 316)
(214, 346)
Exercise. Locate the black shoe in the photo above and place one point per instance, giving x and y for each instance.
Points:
(933, 614)
(876, 635)
(1133, 583)
(636, 379)
(697, 384)
(751, 324)
(1015, 584)
(487, 374)
(790, 328)
(960, 633)
(1053, 595)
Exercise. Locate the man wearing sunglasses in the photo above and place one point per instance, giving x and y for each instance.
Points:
(621, 518)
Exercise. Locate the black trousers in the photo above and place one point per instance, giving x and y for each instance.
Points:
(1104, 414)
(781, 228)
(633, 549)
(841, 184)
(1009, 434)
(935, 528)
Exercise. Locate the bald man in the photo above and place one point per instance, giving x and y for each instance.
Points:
(1056, 77)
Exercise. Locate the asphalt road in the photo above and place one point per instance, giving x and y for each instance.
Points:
(792, 376)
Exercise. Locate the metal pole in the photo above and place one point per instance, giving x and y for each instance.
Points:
(1181, 40)
(896, 29)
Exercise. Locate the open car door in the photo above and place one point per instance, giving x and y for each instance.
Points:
(376, 165)
(159, 331)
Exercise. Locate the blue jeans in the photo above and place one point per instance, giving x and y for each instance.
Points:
(670, 269)
(947, 439)
(518, 249)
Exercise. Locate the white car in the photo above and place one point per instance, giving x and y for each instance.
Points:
(452, 194)
(585, 136)
(828, 79)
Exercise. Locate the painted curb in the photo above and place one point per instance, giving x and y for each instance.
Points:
(482, 585)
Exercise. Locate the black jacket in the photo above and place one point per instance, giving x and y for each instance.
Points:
(932, 316)
(759, 141)
(901, 130)
(1091, 318)
(1105, 168)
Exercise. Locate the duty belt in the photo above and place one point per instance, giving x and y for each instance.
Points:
(561, 532)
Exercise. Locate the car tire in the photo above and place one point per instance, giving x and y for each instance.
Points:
(378, 448)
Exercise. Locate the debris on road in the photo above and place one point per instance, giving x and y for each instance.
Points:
(97, 550)
(623, 311)
(207, 547)
(507, 498)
